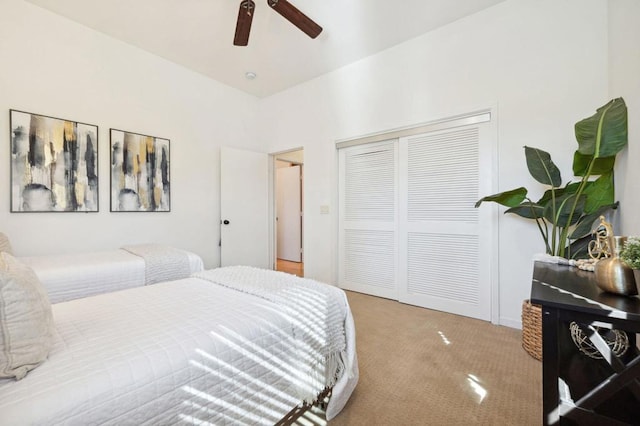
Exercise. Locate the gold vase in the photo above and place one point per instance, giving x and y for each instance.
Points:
(612, 274)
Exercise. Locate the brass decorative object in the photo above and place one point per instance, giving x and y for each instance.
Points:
(600, 247)
(617, 340)
(612, 274)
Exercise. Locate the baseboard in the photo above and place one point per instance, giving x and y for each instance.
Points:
(510, 322)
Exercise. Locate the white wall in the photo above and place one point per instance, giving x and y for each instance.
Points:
(52, 66)
(624, 69)
(542, 63)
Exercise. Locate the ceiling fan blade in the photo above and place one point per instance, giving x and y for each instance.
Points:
(297, 18)
(243, 25)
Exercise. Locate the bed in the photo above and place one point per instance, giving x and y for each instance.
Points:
(72, 276)
(235, 345)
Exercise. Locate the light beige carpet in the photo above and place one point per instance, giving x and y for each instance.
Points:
(424, 367)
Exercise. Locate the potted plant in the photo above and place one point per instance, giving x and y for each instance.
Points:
(630, 255)
(565, 214)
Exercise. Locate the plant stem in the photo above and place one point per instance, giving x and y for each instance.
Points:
(583, 183)
(543, 231)
(554, 226)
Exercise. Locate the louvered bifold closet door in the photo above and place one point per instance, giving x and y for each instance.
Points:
(368, 191)
(440, 238)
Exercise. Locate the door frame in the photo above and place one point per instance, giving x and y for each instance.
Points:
(273, 237)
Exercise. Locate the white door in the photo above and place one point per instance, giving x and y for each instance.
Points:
(244, 208)
(289, 213)
(444, 246)
(368, 212)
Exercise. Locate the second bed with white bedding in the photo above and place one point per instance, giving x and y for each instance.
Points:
(72, 276)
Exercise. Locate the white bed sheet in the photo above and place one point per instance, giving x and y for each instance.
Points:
(72, 276)
(181, 352)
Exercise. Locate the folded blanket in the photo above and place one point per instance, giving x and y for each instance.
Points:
(317, 313)
(162, 263)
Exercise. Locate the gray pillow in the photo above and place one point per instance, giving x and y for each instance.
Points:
(26, 321)
(5, 244)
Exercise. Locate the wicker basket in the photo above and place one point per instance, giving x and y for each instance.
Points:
(532, 329)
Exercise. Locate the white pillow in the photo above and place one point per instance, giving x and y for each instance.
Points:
(26, 321)
(5, 244)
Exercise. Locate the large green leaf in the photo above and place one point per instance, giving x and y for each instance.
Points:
(563, 209)
(569, 188)
(604, 134)
(579, 249)
(601, 165)
(528, 210)
(585, 224)
(599, 192)
(508, 198)
(542, 167)
(547, 197)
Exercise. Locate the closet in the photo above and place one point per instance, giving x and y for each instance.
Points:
(408, 228)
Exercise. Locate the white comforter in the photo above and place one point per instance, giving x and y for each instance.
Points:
(186, 351)
(72, 276)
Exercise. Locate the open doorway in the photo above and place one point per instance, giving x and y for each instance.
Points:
(289, 200)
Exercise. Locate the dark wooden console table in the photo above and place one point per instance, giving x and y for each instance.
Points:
(578, 389)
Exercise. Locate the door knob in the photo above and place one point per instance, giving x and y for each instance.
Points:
(226, 222)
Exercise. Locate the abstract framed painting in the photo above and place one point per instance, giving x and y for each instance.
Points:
(140, 178)
(54, 164)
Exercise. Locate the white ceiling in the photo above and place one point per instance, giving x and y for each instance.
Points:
(198, 34)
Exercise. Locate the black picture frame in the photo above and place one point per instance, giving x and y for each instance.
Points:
(140, 172)
(54, 164)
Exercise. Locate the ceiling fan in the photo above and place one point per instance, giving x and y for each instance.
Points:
(284, 8)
